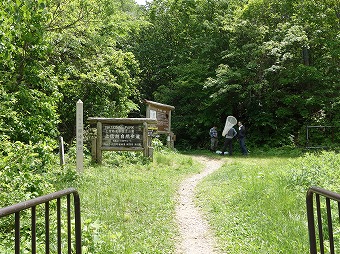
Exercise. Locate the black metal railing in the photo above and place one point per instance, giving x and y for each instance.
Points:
(327, 204)
(17, 209)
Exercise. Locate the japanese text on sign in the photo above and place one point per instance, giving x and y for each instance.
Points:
(163, 119)
(122, 135)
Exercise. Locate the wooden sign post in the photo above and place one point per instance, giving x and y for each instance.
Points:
(80, 137)
(61, 151)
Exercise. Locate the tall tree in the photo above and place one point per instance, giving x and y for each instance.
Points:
(177, 51)
(277, 70)
(88, 60)
(29, 93)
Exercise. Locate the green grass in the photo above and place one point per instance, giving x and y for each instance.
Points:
(252, 209)
(129, 207)
(254, 204)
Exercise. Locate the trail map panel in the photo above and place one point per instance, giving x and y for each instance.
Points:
(162, 116)
(162, 113)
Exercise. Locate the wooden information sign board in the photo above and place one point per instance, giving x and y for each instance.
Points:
(162, 113)
(121, 134)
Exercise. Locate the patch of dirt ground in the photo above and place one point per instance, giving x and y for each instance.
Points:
(195, 234)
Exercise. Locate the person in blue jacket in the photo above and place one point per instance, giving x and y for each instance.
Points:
(213, 138)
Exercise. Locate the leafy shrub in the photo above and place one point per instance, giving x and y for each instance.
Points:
(23, 169)
(316, 169)
(28, 171)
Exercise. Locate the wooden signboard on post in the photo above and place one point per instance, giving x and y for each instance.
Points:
(162, 113)
(120, 134)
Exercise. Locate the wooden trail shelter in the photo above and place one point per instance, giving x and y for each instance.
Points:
(120, 134)
(162, 113)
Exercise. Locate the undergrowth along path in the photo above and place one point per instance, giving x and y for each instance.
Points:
(195, 234)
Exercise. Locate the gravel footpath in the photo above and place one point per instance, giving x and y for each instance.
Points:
(195, 235)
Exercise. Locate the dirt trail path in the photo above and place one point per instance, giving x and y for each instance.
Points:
(196, 237)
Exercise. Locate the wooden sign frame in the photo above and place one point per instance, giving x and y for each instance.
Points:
(121, 134)
(162, 113)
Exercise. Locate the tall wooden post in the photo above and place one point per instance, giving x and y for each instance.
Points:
(99, 142)
(61, 151)
(80, 137)
(145, 139)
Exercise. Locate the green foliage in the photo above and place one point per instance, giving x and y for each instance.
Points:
(22, 172)
(273, 71)
(28, 90)
(89, 62)
(28, 171)
(269, 59)
(177, 51)
(272, 64)
(53, 53)
(316, 169)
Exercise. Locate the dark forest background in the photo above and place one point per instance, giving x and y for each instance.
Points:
(272, 64)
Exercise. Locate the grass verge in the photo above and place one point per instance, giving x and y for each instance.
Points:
(252, 209)
(128, 206)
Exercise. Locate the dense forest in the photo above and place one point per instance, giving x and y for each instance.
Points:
(272, 64)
